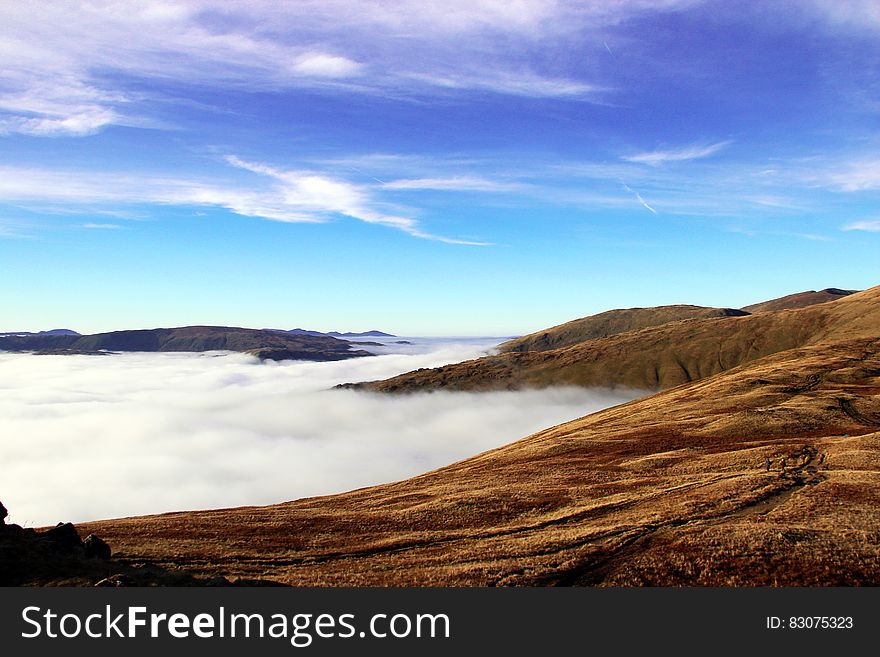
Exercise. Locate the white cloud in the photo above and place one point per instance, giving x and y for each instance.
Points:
(854, 176)
(511, 83)
(61, 105)
(64, 73)
(868, 225)
(102, 226)
(88, 437)
(330, 66)
(72, 187)
(858, 14)
(312, 193)
(75, 124)
(677, 155)
(291, 196)
(455, 183)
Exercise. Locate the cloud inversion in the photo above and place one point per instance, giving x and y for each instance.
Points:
(88, 437)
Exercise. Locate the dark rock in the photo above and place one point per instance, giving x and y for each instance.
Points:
(3, 514)
(219, 580)
(63, 538)
(95, 548)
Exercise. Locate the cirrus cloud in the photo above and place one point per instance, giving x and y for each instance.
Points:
(70, 73)
(290, 196)
(867, 225)
(693, 152)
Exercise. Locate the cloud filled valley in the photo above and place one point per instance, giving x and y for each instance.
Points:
(88, 437)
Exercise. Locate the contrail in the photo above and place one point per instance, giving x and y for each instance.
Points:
(605, 43)
(638, 196)
(364, 173)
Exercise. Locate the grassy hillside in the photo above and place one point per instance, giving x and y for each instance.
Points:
(610, 323)
(666, 490)
(657, 357)
(799, 300)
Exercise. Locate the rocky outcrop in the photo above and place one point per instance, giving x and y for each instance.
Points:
(58, 556)
(95, 548)
(64, 539)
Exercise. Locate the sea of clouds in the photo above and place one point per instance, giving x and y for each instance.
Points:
(90, 437)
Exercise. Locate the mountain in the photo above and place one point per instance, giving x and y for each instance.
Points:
(667, 490)
(799, 300)
(51, 332)
(337, 334)
(657, 357)
(58, 332)
(366, 334)
(264, 344)
(613, 322)
(297, 331)
(609, 323)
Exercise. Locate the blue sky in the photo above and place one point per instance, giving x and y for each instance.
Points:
(462, 167)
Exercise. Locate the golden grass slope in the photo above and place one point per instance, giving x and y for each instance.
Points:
(666, 490)
(609, 323)
(799, 300)
(657, 357)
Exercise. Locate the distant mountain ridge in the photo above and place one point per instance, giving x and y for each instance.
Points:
(799, 300)
(261, 343)
(336, 334)
(50, 332)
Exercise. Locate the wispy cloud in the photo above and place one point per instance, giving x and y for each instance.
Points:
(456, 183)
(855, 176)
(776, 201)
(857, 14)
(291, 196)
(504, 82)
(867, 225)
(65, 74)
(310, 193)
(693, 152)
(46, 104)
(10, 228)
(102, 226)
(75, 122)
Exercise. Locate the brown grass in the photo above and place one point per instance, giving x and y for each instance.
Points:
(665, 490)
(610, 323)
(658, 357)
